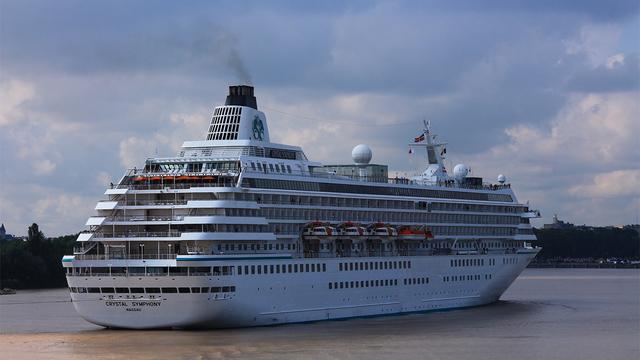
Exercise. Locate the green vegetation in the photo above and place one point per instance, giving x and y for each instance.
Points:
(585, 243)
(35, 263)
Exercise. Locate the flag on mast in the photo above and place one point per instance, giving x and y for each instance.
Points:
(419, 138)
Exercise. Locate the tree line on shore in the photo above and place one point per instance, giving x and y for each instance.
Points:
(36, 262)
(585, 243)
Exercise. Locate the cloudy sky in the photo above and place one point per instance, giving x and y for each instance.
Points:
(545, 92)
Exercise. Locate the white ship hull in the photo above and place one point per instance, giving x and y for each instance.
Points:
(267, 299)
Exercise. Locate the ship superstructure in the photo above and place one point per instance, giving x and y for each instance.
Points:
(239, 231)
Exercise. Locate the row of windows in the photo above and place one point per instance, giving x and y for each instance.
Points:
(510, 260)
(368, 189)
(151, 271)
(362, 284)
(192, 167)
(152, 290)
(225, 124)
(374, 265)
(278, 269)
(456, 278)
(382, 214)
(272, 167)
(254, 247)
(358, 202)
(416, 281)
(467, 262)
(228, 110)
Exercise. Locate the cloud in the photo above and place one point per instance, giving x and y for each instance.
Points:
(43, 167)
(13, 94)
(624, 183)
(541, 91)
(588, 155)
(620, 73)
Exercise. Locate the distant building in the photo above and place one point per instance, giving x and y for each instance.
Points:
(4, 235)
(558, 224)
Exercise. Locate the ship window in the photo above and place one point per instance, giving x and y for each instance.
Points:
(120, 290)
(93, 290)
(306, 268)
(216, 289)
(330, 286)
(183, 290)
(107, 290)
(195, 290)
(271, 268)
(289, 169)
(200, 270)
(204, 289)
(152, 290)
(324, 267)
(169, 290)
(137, 290)
(271, 167)
(277, 168)
(136, 271)
(156, 271)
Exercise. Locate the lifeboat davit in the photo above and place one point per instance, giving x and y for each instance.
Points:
(414, 233)
(351, 229)
(381, 229)
(317, 228)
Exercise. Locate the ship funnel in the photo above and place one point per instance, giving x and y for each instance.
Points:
(241, 95)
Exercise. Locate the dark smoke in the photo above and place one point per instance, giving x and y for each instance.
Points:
(224, 47)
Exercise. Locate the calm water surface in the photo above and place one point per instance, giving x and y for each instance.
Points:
(546, 314)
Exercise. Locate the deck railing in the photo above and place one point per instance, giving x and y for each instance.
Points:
(138, 234)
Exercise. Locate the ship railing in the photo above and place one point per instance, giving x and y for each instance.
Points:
(138, 234)
(85, 247)
(393, 180)
(152, 202)
(177, 186)
(152, 256)
(146, 218)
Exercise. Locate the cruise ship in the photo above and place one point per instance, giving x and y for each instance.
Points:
(239, 231)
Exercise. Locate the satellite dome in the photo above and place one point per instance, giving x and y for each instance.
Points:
(502, 179)
(361, 154)
(460, 171)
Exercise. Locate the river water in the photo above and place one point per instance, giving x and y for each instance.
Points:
(546, 314)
